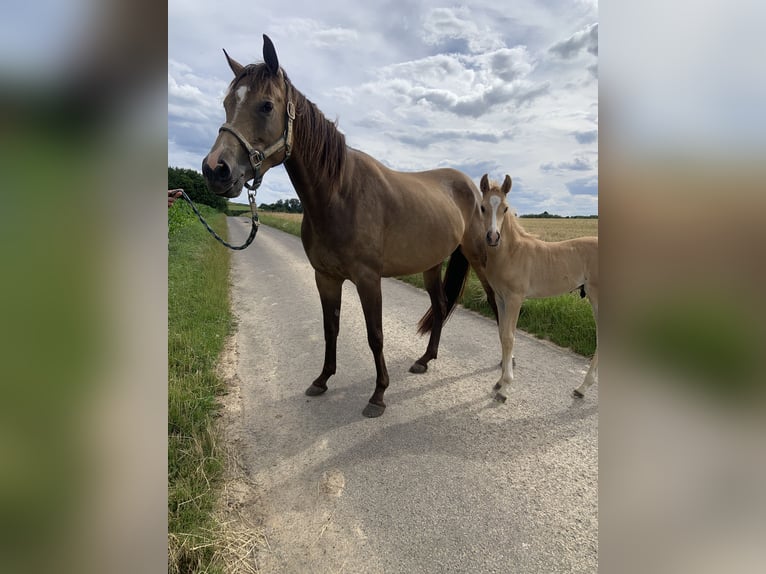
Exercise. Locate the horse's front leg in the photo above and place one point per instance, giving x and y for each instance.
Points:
(330, 294)
(372, 305)
(508, 308)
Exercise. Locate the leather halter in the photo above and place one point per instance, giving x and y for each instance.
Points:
(256, 156)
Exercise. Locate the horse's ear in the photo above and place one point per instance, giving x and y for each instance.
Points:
(270, 55)
(484, 184)
(235, 66)
(506, 185)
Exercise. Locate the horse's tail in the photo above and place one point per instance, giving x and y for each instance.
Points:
(454, 282)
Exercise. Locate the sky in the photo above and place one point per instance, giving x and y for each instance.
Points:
(482, 86)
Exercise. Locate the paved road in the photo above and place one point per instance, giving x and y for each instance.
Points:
(447, 480)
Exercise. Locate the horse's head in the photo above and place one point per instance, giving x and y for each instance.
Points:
(257, 134)
(493, 207)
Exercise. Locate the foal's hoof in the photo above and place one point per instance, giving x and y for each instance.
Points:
(577, 394)
(500, 398)
(371, 411)
(418, 368)
(497, 387)
(314, 391)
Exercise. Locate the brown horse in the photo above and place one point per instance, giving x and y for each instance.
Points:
(520, 266)
(362, 221)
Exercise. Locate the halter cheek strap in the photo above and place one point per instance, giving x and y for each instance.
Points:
(257, 157)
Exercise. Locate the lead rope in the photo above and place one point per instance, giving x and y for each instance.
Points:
(254, 219)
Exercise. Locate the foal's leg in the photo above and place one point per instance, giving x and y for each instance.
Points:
(509, 314)
(592, 375)
(433, 284)
(372, 305)
(330, 294)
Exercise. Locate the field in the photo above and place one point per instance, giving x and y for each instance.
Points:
(566, 320)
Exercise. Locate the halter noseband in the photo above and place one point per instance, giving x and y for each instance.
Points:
(257, 157)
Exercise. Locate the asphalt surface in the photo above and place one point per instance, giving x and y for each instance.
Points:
(446, 480)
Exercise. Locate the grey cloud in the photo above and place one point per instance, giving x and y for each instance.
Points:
(584, 186)
(586, 137)
(510, 64)
(584, 39)
(425, 138)
(577, 164)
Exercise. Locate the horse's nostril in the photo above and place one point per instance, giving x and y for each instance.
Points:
(222, 170)
(206, 171)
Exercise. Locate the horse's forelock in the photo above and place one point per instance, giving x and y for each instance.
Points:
(259, 75)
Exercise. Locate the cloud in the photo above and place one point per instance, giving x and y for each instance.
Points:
(586, 137)
(464, 85)
(577, 164)
(583, 186)
(317, 34)
(424, 138)
(586, 39)
(442, 25)
(510, 64)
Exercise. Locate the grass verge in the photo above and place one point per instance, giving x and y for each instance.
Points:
(199, 320)
(566, 320)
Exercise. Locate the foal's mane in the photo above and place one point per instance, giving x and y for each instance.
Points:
(317, 139)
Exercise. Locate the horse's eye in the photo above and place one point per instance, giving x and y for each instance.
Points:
(267, 107)
(482, 209)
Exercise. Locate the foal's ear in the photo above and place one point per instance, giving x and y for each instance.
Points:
(506, 185)
(235, 66)
(270, 55)
(484, 183)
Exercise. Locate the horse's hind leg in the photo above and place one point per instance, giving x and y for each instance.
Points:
(330, 294)
(433, 284)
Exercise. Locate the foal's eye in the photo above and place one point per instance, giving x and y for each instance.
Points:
(505, 209)
(267, 107)
(482, 209)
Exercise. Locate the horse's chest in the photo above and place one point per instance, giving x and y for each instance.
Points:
(326, 258)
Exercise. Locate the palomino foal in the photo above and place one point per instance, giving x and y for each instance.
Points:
(521, 266)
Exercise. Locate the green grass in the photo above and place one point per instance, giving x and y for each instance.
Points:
(199, 320)
(566, 320)
(289, 222)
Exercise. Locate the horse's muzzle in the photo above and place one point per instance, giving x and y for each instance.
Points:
(220, 180)
(493, 238)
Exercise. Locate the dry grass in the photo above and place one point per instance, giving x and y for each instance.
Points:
(560, 229)
(547, 229)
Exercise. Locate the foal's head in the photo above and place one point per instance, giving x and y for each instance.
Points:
(255, 136)
(493, 207)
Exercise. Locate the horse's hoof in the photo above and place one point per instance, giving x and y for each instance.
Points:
(497, 387)
(314, 391)
(418, 368)
(500, 398)
(577, 394)
(513, 361)
(371, 411)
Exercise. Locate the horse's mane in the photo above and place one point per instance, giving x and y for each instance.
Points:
(321, 145)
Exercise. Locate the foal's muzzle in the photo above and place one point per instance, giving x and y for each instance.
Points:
(493, 238)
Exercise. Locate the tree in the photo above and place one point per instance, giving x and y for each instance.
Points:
(194, 185)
